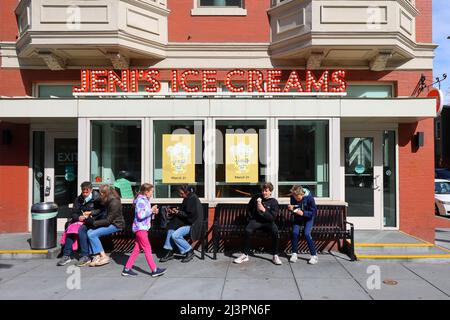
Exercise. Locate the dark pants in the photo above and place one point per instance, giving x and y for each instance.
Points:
(83, 241)
(67, 251)
(254, 225)
(308, 223)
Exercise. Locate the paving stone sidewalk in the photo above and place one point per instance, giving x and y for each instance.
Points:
(333, 278)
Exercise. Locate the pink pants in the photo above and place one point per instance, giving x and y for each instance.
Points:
(141, 243)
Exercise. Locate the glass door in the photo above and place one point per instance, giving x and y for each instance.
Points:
(363, 176)
(61, 171)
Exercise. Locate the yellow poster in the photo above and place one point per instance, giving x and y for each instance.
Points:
(241, 158)
(178, 158)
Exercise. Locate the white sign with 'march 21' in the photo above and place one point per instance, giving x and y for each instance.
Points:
(103, 82)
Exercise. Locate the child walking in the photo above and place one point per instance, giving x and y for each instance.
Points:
(141, 225)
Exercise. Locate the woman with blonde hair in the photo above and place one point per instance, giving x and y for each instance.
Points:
(142, 223)
(113, 222)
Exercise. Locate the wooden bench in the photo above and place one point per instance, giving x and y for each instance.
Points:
(123, 241)
(330, 225)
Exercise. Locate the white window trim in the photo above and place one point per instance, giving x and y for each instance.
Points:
(151, 155)
(332, 162)
(84, 139)
(269, 166)
(216, 11)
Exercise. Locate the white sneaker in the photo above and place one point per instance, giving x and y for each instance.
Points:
(241, 258)
(293, 258)
(276, 260)
(313, 260)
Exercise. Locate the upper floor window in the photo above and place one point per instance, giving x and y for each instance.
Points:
(219, 8)
(222, 3)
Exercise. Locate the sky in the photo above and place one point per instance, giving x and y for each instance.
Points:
(441, 30)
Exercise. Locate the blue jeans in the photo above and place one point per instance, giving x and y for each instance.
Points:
(94, 235)
(296, 232)
(177, 237)
(83, 241)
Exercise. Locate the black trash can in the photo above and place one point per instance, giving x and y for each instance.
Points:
(43, 228)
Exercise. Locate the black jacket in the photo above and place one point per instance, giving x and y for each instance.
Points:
(271, 205)
(113, 215)
(190, 214)
(94, 205)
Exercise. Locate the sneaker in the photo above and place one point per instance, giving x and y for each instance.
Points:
(242, 258)
(169, 256)
(158, 272)
(276, 260)
(189, 256)
(94, 261)
(84, 261)
(313, 260)
(63, 261)
(102, 261)
(128, 273)
(293, 258)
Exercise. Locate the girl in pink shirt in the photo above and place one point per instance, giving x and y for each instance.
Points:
(142, 222)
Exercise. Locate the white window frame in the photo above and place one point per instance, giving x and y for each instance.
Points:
(332, 168)
(150, 155)
(85, 146)
(269, 166)
(216, 11)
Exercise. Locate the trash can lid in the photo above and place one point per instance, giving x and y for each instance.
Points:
(44, 207)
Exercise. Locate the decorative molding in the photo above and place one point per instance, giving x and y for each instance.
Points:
(380, 61)
(315, 60)
(53, 61)
(119, 61)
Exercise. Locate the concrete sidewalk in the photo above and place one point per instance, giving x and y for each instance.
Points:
(335, 277)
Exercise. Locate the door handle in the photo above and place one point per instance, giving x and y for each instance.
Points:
(48, 187)
(375, 182)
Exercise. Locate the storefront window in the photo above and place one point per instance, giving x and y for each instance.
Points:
(303, 156)
(178, 157)
(241, 160)
(116, 155)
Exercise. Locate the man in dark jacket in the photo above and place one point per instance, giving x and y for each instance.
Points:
(262, 209)
(86, 204)
(186, 220)
(304, 209)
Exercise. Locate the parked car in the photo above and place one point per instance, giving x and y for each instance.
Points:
(442, 173)
(442, 197)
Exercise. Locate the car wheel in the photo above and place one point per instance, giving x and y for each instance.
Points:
(436, 210)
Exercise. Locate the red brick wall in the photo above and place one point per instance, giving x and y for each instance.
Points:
(14, 179)
(251, 28)
(424, 24)
(8, 30)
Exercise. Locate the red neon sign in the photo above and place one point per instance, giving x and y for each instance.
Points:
(205, 81)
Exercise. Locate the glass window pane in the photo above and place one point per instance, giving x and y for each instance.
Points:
(38, 166)
(359, 174)
(178, 127)
(59, 90)
(116, 155)
(303, 156)
(221, 3)
(389, 179)
(223, 127)
(369, 91)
